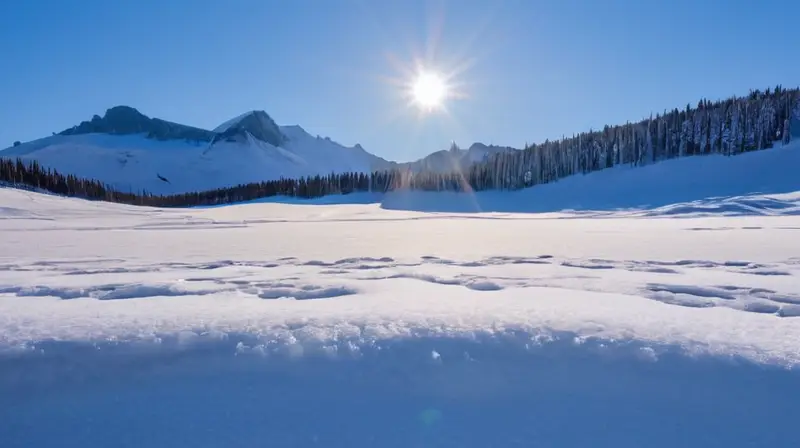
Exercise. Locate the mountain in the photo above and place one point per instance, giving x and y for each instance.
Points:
(257, 123)
(133, 152)
(456, 159)
(712, 131)
(124, 120)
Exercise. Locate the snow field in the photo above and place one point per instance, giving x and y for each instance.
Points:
(354, 326)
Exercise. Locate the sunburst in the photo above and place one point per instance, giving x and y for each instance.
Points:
(429, 91)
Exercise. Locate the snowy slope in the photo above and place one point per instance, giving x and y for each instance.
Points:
(325, 152)
(757, 183)
(133, 152)
(354, 326)
(662, 184)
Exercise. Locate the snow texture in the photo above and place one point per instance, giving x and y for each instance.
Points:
(273, 324)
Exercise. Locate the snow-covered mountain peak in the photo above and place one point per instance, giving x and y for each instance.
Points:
(126, 120)
(255, 122)
(133, 152)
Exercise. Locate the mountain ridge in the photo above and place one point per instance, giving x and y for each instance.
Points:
(126, 120)
(734, 126)
(134, 152)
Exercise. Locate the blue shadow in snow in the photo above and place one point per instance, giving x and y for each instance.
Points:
(396, 394)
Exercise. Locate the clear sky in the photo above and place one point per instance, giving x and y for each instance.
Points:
(528, 69)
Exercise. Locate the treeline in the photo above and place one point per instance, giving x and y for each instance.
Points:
(729, 127)
(31, 175)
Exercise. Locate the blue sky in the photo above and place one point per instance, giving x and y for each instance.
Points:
(530, 70)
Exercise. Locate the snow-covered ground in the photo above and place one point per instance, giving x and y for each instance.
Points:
(352, 325)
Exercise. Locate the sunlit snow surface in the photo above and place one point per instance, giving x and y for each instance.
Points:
(353, 326)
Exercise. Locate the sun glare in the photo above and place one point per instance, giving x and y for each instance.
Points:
(429, 91)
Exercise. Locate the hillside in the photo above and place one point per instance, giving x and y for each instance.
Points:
(754, 183)
(760, 183)
(689, 180)
(133, 152)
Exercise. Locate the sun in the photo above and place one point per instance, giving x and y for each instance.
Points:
(429, 91)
